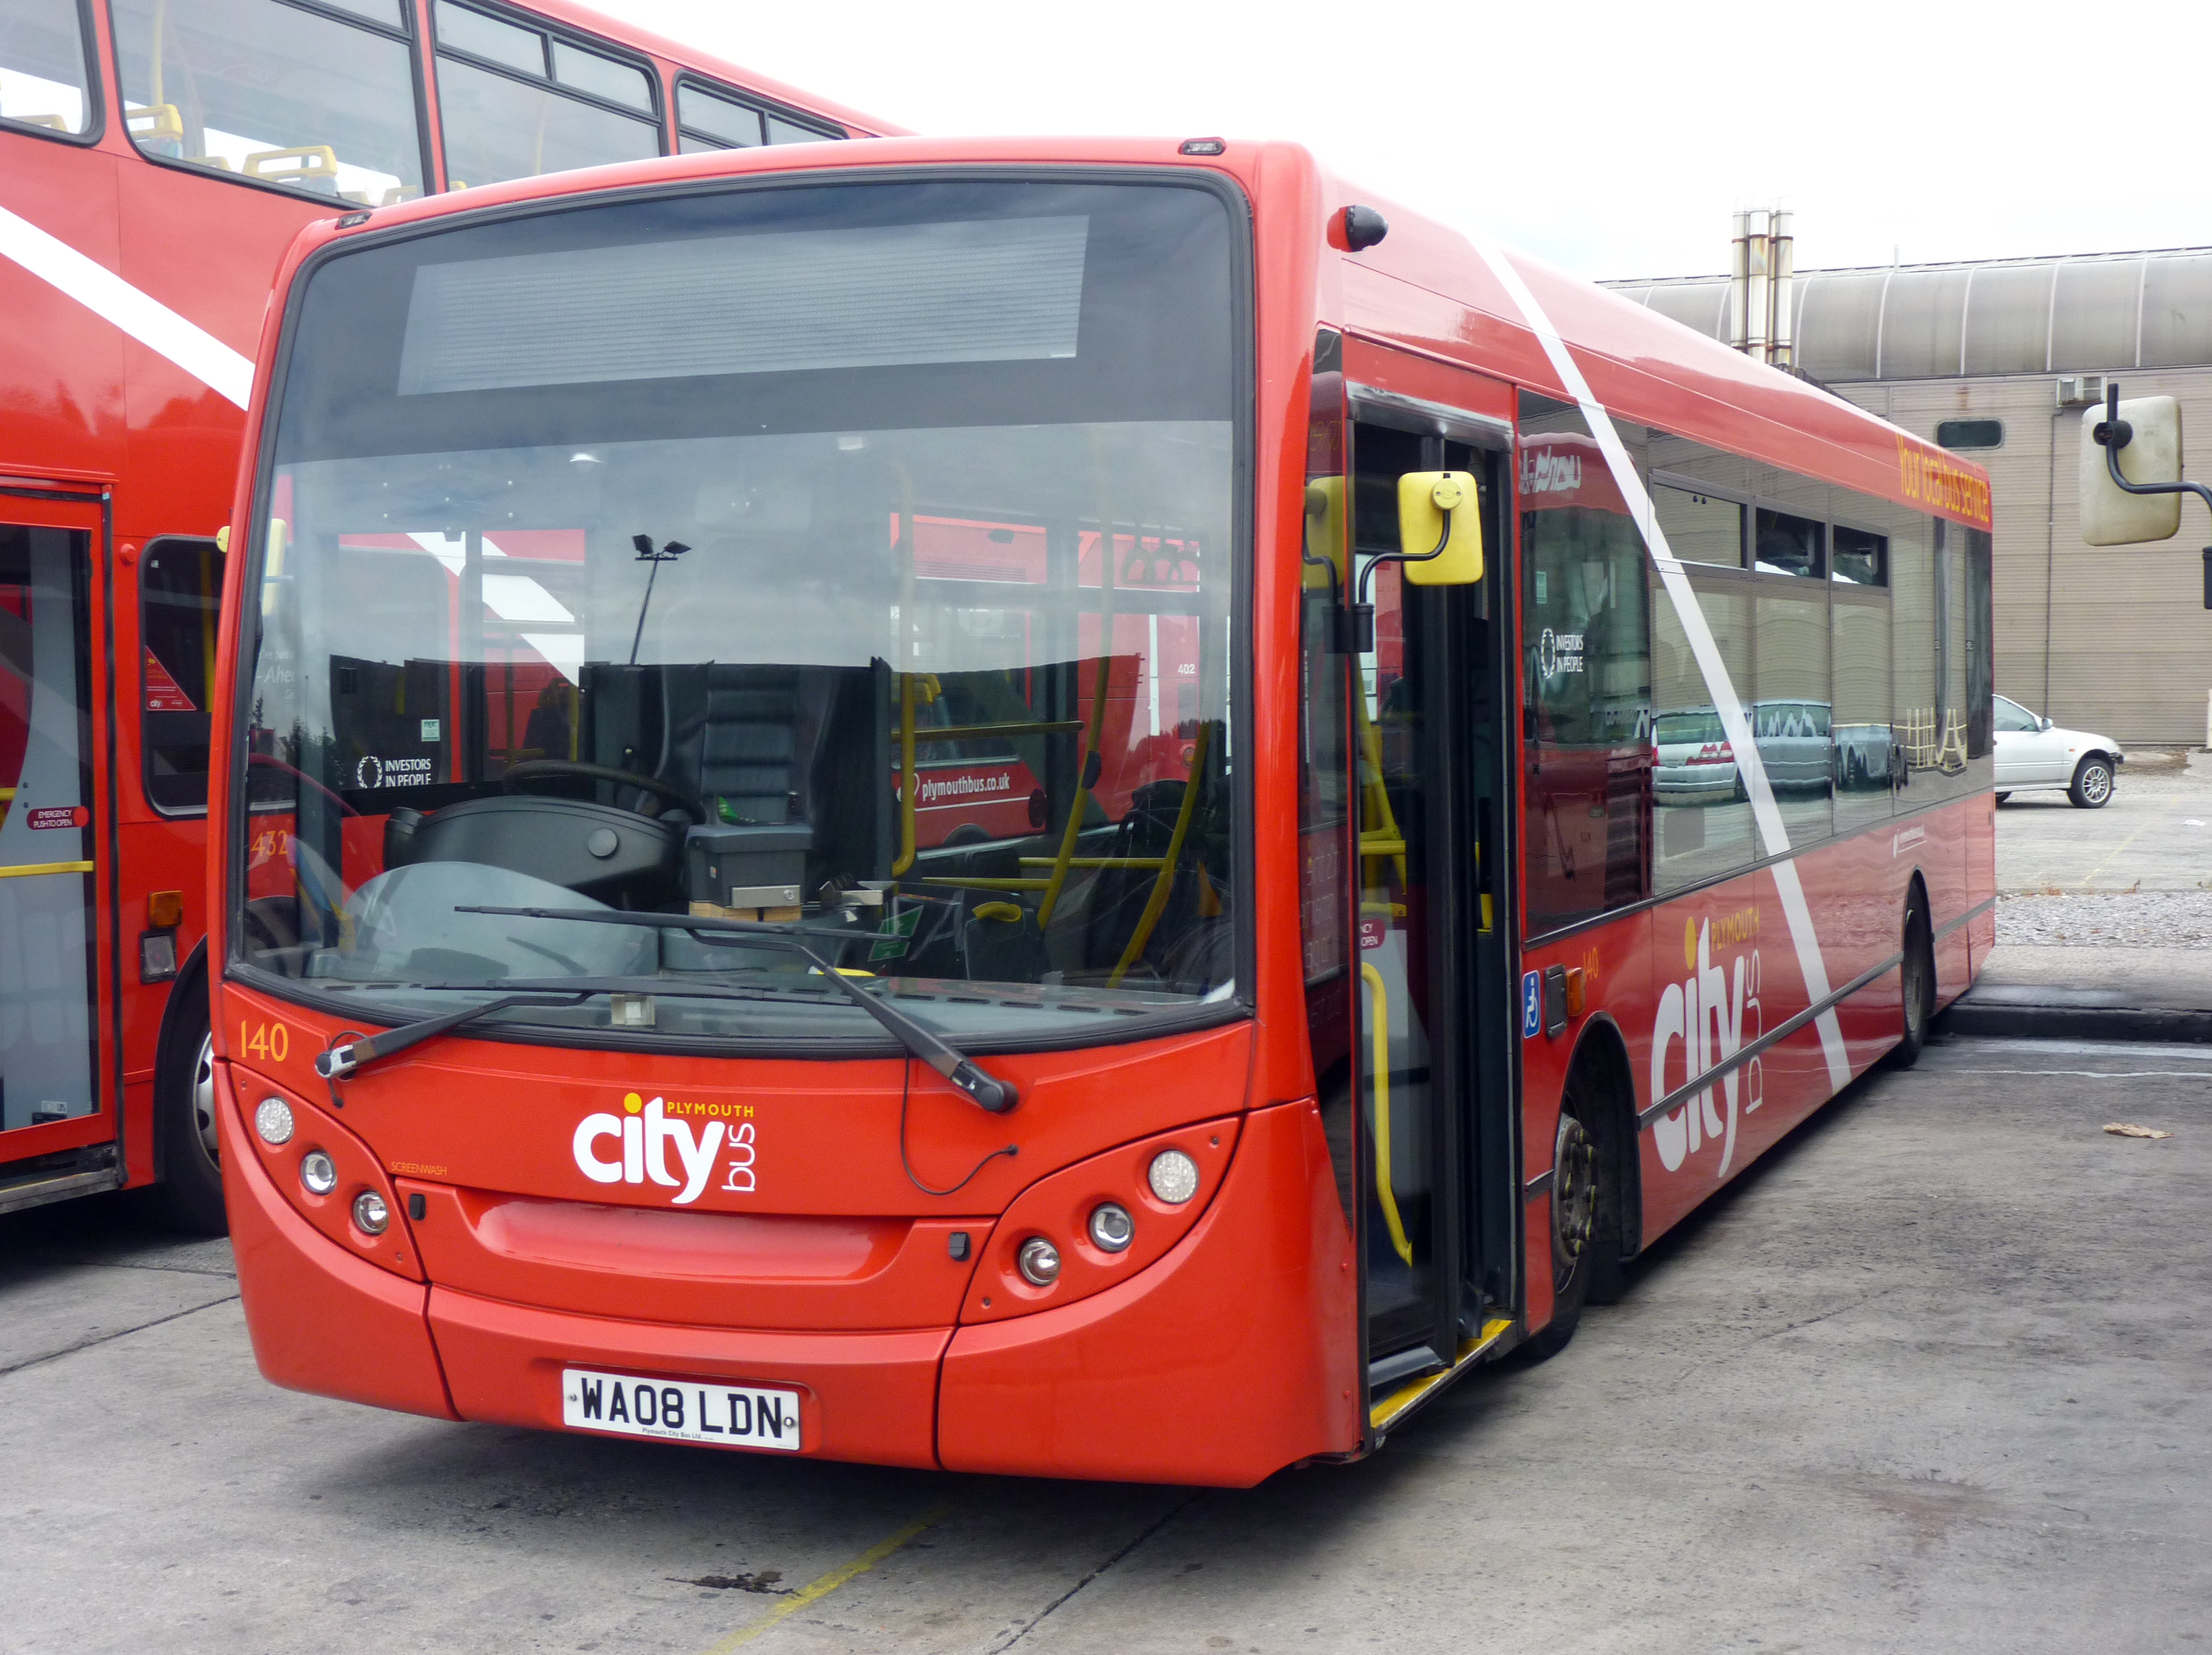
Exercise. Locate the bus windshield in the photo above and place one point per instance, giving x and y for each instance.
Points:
(860, 557)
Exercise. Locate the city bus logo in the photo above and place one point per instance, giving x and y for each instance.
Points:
(1711, 1015)
(645, 1133)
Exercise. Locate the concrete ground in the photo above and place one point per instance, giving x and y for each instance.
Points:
(2155, 834)
(2109, 909)
(1936, 1375)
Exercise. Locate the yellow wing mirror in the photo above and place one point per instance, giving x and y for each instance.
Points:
(1439, 528)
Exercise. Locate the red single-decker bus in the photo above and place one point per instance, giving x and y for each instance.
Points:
(1494, 763)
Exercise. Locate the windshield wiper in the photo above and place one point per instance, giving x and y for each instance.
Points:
(343, 1062)
(987, 1090)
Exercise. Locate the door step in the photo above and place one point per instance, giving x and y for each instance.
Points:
(1394, 1405)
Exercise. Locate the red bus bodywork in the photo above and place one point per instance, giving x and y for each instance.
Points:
(1231, 1345)
(103, 434)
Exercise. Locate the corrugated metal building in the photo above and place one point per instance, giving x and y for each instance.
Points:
(1981, 357)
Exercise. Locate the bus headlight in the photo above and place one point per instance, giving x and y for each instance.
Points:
(273, 1122)
(1112, 1229)
(1173, 1176)
(319, 1172)
(370, 1213)
(1039, 1261)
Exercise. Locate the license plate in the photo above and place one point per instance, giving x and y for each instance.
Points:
(725, 1416)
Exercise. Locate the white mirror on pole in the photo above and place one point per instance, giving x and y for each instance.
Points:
(2110, 515)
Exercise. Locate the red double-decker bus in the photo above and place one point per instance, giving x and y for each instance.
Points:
(1495, 762)
(156, 158)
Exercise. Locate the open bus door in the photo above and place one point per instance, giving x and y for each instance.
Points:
(54, 1130)
(1419, 1099)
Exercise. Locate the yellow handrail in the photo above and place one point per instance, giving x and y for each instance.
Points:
(1164, 880)
(1091, 752)
(1380, 1022)
(1385, 838)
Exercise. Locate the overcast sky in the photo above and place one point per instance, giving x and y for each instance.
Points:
(1612, 139)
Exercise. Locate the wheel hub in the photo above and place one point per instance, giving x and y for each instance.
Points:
(203, 1100)
(1574, 1196)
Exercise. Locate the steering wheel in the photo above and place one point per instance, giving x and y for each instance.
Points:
(529, 769)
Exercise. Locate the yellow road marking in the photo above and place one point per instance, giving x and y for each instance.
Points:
(828, 1583)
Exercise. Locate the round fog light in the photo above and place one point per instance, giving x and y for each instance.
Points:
(1039, 1261)
(319, 1172)
(1112, 1229)
(1173, 1176)
(370, 1212)
(273, 1121)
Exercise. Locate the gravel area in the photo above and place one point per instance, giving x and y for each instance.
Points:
(2126, 919)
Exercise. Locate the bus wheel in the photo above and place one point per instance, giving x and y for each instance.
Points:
(190, 1197)
(1917, 979)
(1578, 1199)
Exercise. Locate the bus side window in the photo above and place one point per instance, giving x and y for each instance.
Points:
(42, 66)
(179, 589)
(275, 94)
(517, 101)
(709, 117)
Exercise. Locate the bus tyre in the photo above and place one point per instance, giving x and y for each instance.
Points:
(1916, 979)
(1580, 1199)
(2092, 786)
(190, 1195)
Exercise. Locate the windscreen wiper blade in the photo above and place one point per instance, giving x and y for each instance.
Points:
(343, 1062)
(987, 1090)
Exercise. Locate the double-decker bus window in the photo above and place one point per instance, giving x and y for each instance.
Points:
(495, 40)
(180, 592)
(43, 65)
(514, 102)
(914, 620)
(275, 93)
(780, 131)
(710, 121)
(1587, 677)
(712, 118)
(602, 76)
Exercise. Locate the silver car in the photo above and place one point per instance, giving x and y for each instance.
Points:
(2034, 752)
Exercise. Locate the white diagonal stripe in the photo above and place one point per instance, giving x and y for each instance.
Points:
(1764, 811)
(145, 319)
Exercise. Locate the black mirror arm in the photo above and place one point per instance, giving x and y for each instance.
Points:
(1363, 610)
(2112, 434)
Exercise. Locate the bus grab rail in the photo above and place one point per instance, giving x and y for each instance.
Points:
(1380, 1038)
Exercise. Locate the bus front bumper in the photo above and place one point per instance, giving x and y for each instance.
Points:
(1229, 1358)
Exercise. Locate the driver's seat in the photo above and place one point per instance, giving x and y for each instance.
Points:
(735, 736)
